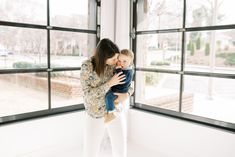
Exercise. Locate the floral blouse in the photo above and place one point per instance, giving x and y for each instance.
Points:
(95, 88)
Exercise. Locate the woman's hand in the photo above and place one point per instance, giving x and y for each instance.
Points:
(117, 79)
(121, 97)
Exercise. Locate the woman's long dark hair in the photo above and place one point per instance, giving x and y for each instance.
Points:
(105, 49)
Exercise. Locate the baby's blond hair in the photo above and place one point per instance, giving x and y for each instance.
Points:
(128, 53)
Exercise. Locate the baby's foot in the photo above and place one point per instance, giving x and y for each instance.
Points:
(109, 117)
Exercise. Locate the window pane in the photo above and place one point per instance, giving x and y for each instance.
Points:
(211, 51)
(210, 13)
(73, 13)
(158, 89)
(22, 48)
(212, 97)
(69, 49)
(159, 14)
(65, 88)
(159, 51)
(24, 11)
(23, 93)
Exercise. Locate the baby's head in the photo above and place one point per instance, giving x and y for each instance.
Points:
(125, 58)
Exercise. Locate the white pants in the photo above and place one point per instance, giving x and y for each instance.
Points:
(94, 131)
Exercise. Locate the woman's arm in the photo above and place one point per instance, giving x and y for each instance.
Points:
(87, 80)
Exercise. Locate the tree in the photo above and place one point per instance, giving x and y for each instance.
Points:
(207, 49)
(192, 51)
(189, 45)
(198, 43)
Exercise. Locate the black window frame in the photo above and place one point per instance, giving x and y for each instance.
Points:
(182, 72)
(50, 111)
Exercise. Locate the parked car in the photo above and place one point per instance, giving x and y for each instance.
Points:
(5, 53)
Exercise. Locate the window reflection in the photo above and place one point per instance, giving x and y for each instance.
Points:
(69, 49)
(34, 11)
(65, 88)
(23, 93)
(210, 13)
(212, 97)
(158, 89)
(159, 14)
(159, 51)
(73, 13)
(22, 48)
(211, 51)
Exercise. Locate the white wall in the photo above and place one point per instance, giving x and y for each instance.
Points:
(122, 24)
(177, 138)
(154, 134)
(107, 19)
(115, 21)
(42, 137)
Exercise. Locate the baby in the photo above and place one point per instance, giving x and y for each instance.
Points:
(124, 64)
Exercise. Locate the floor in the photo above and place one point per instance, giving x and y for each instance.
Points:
(56, 136)
(133, 151)
(61, 136)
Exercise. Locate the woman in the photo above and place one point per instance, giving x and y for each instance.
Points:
(96, 80)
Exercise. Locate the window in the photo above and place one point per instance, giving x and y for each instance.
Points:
(34, 12)
(23, 92)
(161, 51)
(158, 89)
(213, 98)
(41, 50)
(185, 59)
(210, 51)
(65, 88)
(156, 14)
(69, 49)
(25, 48)
(209, 13)
(72, 14)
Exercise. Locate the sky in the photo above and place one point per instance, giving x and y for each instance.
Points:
(226, 8)
(67, 7)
